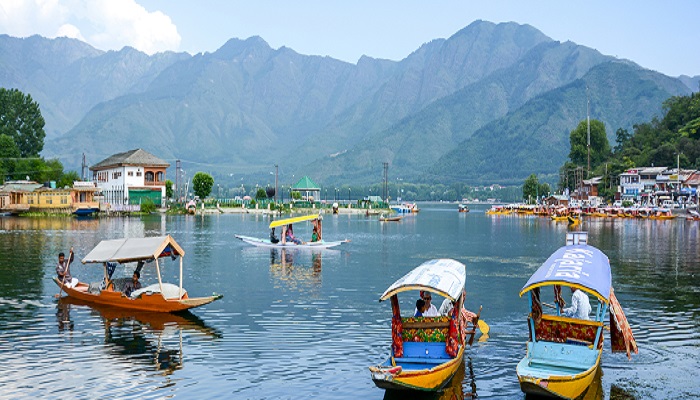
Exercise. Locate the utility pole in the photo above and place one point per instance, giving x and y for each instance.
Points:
(276, 175)
(82, 171)
(177, 179)
(386, 182)
(588, 123)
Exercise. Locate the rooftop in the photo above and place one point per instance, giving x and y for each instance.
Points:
(131, 157)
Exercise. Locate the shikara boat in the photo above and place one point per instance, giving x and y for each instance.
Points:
(563, 353)
(284, 223)
(692, 216)
(427, 351)
(395, 218)
(160, 297)
(463, 208)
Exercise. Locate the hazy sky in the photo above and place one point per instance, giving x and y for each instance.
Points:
(662, 36)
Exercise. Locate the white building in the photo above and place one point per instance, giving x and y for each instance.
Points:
(131, 177)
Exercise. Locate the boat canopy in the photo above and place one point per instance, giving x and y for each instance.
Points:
(287, 221)
(581, 266)
(444, 276)
(133, 249)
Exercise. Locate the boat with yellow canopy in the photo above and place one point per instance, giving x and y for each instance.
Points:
(564, 353)
(287, 229)
(427, 351)
(159, 297)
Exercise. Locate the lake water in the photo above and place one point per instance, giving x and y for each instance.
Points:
(303, 324)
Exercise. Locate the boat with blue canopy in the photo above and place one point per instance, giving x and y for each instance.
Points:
(427, 351)
(564, 352)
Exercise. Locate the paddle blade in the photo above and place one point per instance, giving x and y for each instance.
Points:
(483, 327)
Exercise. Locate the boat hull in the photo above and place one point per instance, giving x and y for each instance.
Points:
(309, 245)
(154, 302)
(431, 378)
(554, 382)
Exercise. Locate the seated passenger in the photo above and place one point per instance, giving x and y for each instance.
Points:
(290, 235)
(430, 310)
(420, 308)
(273, 238)
(130, 287)
(314, 235)
(580, 306)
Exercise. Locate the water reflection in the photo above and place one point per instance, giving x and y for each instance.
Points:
(142, 337)
(295, 267)
(462, 386)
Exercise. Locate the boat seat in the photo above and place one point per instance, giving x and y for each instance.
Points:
(423, 350)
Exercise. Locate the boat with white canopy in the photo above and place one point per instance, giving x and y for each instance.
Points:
(159, 297)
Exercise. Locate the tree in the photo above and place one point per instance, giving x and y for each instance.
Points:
(531, 187)
(67, 179)
(202, 183)
(9, 153)
(20, 118)
(600, 147)
(168, 189)
(621, 138)
(260, 194)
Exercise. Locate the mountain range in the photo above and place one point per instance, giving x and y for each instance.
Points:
(493, 103)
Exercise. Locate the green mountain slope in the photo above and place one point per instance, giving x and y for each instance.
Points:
(535, 138)
(416, 142)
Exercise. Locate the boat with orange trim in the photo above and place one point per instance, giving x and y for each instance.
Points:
(159, 297)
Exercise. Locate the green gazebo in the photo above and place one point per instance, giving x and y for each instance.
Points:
(307, 188)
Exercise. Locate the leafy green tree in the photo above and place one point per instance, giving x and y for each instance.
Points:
(202, 183)
(600, 147)
(9, 153)
(260, 194)
(20, 118)
(622, 136)
(67, 179)
(531, 187)
(168, 189)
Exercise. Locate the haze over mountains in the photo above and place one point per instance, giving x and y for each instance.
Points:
(491, 104)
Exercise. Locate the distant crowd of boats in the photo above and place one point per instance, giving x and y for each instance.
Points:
(560, 213)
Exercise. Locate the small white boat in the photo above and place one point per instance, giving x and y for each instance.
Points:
(298, 244)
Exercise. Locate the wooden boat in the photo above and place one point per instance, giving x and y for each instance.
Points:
(692, 216)
(662, 214)
(463, 208)
(315, 219)
(427, 351)
(573, 220)
(560, 218)
(563, 354)
(395, 218)
(160, 297)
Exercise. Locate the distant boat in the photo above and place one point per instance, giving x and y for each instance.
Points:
(283, 243)
(395, 218)
(463, 208)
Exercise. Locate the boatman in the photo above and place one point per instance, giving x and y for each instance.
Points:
(63, 269)
(580, 306)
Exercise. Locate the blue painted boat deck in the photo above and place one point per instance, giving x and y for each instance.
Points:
(421, 355)
(545, 359)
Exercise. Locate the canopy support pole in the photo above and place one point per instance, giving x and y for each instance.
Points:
(180, 294)
(160, 281)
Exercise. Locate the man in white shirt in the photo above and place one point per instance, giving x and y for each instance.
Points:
(580, 306)
(431, 311)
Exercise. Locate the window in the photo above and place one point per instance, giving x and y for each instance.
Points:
(138, 173)
(130, 173)
(159, 177)
(149, 176)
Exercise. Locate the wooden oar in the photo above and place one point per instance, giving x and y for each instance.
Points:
(63, 282)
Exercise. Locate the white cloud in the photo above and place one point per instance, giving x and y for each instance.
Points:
(105, 24)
